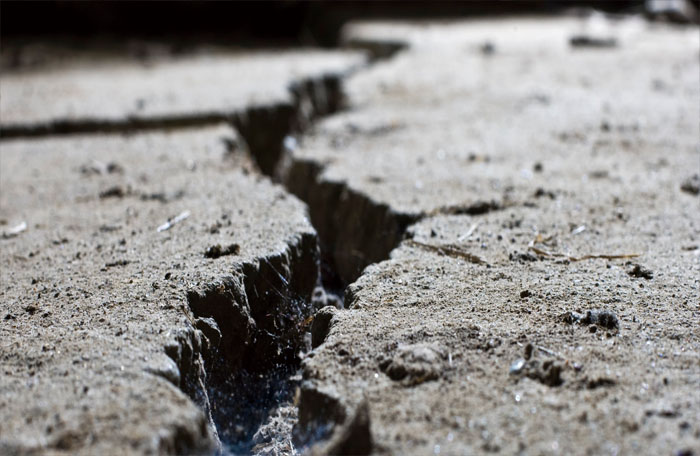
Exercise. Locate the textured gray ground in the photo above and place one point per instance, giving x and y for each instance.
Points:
(518, 162)
(444, 127)
(526, 211)
(94, 296)
(201, 85)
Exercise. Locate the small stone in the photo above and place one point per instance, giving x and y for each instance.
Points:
(216, 251)
(522, 257)
(113, 192)
(416, 363)
(525, 294)
(31, 310)
(641, 272)
(603, 318)
(592, 41)
(540, 192)
(691, 185)
(517, 366)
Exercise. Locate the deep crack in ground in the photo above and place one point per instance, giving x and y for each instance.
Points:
(253, 399)
(245, 399)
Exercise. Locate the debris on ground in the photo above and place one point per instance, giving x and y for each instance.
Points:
(546, 253)
(216, 251)
(174, 221)
(522, 257)
(586, 41)
(15, 230)
(162, 197)
(641, 272)
(603, 318)
(540, 192)
(547, 372)
(113, 192)
(97, 167)
(692, 185)
(115, 263)
(448, 250)
(578, 230)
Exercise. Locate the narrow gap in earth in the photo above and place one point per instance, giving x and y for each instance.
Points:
(251, 392)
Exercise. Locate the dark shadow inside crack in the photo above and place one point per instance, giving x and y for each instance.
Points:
(244, 402)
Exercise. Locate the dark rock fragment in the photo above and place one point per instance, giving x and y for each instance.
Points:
(592, 42)
(522, 257)
(162, 197)
(31, 310)
(602, 318)
(113, 192)
(97, 168)
(547, 372)
(641, 272)
(600, 382)
(216, 251)
(540, 192)
(116, 263)
(691, 185)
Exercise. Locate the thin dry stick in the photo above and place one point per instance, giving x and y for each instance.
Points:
(449, 251)
(468, 234)
(585, 257)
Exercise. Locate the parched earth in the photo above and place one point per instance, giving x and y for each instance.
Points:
(512, 204)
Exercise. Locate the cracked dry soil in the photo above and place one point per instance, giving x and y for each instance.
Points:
(514, 228)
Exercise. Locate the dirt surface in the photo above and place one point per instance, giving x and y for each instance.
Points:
(446, 128)
(547, 301)
(512, 203)
(101, 293)
(208, 85)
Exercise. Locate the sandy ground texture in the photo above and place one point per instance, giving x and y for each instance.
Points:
(211, 84)
(513, 203)
(263, 93)
(546, 300)
(457, 122)
(128, 240)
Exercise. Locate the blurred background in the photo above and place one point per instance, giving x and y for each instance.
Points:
(270, 23)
